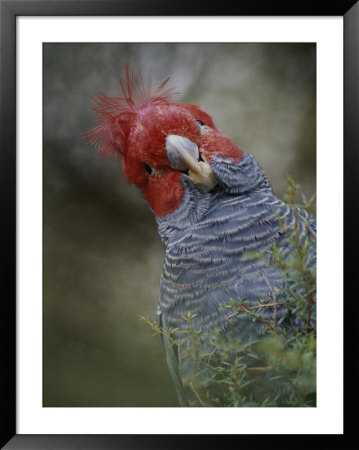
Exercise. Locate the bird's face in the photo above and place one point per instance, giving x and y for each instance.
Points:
(160, 142)
(168, 143)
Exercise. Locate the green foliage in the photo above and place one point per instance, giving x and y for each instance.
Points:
(279, 368)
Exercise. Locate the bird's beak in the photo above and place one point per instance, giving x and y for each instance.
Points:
(183, 155)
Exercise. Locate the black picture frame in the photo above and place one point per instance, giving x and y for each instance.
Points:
(9, 10)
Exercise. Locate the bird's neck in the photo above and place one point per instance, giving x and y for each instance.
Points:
(234, 180)
(195, 204)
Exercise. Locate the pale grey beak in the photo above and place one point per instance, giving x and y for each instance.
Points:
(183, 155)
(182, 152)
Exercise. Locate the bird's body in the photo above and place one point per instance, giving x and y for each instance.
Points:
(214, 253)
(216, 214)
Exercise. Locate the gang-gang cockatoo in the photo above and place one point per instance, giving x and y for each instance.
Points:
(215, 210)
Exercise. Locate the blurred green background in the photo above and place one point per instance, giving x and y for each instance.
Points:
(102, 254)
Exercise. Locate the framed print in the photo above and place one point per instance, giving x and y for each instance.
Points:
(81, 366)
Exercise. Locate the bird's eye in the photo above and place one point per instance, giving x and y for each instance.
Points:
(200, 123)
(148, 169)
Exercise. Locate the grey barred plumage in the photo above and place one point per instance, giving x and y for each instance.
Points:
(206, 260)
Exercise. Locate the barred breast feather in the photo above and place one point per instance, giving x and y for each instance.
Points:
(218, 256)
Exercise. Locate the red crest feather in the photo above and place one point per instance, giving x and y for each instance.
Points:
(116, 114)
